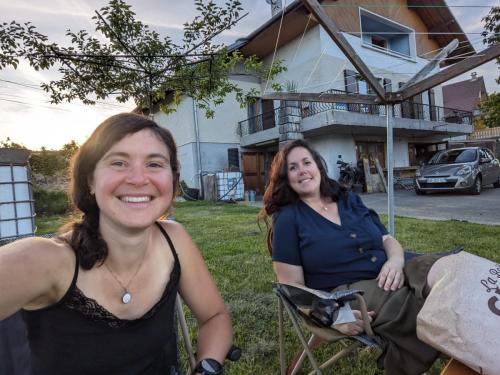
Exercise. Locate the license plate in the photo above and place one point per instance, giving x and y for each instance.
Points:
(436, 180)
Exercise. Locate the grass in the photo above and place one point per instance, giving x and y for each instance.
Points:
(234, 249)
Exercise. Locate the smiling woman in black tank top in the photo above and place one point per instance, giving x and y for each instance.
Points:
(99, 299)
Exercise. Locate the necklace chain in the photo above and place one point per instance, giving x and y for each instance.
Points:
(127, 296)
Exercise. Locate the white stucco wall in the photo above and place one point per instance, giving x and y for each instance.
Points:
(223, 127)
(331, 146)
(216, 135)
(400, 152)
(316, 63)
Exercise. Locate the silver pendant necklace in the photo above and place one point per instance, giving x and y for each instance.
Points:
(126, 296)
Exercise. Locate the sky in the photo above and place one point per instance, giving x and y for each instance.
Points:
(27, 117)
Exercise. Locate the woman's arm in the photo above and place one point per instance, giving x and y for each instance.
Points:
(391, 276)
(289, 274)
(33, 272)
(200, 293)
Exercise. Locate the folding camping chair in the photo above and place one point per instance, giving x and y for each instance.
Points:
(305, 319)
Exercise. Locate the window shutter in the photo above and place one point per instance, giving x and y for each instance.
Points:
(351, 85)
(387, 84)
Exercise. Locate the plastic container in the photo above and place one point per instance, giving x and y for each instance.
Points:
(252, 194)
(17, 214)
(230, 186)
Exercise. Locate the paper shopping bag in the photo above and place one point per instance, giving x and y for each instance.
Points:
(461, 315)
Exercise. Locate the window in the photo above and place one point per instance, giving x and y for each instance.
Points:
(384, 34)
(378, 41)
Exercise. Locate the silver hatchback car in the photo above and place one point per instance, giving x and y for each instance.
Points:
(461, 169)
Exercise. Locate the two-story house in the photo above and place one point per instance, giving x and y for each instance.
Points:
(395, 41)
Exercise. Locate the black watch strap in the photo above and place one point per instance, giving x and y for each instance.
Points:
(209, 366)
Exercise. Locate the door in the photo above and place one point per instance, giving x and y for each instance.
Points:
(487, 167)
(254, 171)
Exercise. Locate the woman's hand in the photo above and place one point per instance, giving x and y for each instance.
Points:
(391, 276)
(354, 328)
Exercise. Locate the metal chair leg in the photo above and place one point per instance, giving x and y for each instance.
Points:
(185, 332)
(299, 362)
(281, 338)
(303, 341)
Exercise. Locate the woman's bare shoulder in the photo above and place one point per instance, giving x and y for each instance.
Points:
(35, 273)
(179, 236)
(45, 252)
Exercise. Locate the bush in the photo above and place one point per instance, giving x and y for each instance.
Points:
(50, 202)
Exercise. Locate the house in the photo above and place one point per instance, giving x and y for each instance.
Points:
(394, 41)
(466, 95)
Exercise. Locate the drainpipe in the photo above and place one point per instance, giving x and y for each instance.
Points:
(198, 149)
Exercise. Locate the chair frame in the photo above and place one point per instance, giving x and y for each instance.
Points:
(285, 305)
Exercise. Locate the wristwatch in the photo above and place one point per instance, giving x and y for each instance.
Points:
(208, 366)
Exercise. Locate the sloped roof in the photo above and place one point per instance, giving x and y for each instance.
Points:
(14, 156)
(437, 17)
(464, 95)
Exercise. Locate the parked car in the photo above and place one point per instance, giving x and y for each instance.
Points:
(461, 169)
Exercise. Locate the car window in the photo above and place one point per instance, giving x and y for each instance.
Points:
(484, 154)
(489, 153)
(454, 156)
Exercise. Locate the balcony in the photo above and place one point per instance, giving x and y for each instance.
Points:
(405, 110)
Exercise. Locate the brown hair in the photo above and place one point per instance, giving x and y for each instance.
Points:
(87, 242)
(279, 193)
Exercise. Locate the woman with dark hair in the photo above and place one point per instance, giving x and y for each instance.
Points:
(324, 237)
(99, 298)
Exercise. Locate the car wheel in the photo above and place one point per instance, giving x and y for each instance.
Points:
(497, 184)
(419, 192)
(476, 188)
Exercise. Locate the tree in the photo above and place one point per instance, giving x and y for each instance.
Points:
(135, 62)
(491, 33)
(7, 143)
(69, 149)
(490, 111)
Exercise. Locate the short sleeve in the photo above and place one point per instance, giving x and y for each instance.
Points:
(285, 238)
(373, 214)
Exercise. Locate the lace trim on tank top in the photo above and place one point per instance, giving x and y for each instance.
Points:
(77, 301)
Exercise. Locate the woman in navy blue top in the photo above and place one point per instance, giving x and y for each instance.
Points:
(324, 237)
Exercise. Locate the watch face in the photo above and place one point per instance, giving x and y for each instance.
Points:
(211, 366)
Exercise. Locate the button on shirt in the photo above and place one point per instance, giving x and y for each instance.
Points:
(330, 254)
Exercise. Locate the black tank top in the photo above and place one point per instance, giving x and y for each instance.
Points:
(78, 336)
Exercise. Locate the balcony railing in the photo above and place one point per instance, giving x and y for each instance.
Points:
(486, 133)
(407, 109)
(266, 120)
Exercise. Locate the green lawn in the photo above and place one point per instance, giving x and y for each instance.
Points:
(234, 249)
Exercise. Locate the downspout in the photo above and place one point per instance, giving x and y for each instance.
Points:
(198, 149)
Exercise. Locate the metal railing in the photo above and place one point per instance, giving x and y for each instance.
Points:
(266, 120)
(406, 109)
(486, 133)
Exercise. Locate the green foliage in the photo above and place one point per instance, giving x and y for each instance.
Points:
(134, 62)
(50, 202)
(7, 143)
(490, 111)
(47, 162)
(491, 33)
(69, 149)
(50, 162)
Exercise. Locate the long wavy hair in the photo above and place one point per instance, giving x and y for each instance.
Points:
(85, 239)
(279, 194)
